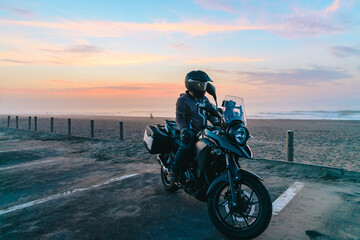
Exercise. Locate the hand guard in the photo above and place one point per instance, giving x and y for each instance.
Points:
(185, 135)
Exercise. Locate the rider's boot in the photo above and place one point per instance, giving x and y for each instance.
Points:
(173, 174)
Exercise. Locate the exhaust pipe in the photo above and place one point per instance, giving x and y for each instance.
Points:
(164, 168)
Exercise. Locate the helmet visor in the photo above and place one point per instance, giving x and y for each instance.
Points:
(197, 85)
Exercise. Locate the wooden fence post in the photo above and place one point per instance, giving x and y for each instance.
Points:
(69, 126)
(121, 124)
(52, 124)
(17, 121)
(29, 123)
(35, 123)
(8, 121)
(290, 146)
(92, 128)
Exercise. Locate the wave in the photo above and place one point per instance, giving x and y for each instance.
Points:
(315, 115)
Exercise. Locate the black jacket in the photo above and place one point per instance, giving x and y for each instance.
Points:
(188, 115)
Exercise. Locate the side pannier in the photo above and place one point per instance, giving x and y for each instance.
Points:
(156, 140)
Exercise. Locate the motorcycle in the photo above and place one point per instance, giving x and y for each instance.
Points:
(238, 203)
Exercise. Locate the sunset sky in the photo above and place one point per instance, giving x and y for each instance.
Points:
(131, 57)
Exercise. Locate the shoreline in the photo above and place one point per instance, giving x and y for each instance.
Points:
(101, 116)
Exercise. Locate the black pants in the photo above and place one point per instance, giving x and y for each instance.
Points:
(185, 154)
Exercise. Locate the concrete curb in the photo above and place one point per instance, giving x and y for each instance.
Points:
(332, 171)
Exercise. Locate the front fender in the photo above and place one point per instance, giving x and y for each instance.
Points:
(239, 176)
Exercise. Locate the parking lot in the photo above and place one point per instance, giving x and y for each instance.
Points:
(54, 187)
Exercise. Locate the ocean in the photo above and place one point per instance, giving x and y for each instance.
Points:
(309, 115)
(299, 115)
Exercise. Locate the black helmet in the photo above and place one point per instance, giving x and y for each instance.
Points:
(196, 81)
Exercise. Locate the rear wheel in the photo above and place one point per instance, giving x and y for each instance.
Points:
(169, 186)
(246, 219)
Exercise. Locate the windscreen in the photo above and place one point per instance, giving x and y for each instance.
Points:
(234, 109)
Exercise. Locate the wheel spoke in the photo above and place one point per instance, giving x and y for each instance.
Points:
(243, 216)
(252, 192)
(232, 219)
(252, 203)
(223, 203)
(252, 216)
(227, 215)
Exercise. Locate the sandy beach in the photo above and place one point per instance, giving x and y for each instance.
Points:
(320, 142)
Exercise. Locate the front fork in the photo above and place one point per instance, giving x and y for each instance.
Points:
(232, 170)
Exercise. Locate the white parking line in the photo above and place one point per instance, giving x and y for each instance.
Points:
(26, 164)
(19, 150)
(9, 150)
(42, 200)
(286, 197)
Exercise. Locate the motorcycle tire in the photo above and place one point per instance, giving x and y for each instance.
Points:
(242, 222)
(169, 186)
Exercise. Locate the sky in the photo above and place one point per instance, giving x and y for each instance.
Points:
(131, 57)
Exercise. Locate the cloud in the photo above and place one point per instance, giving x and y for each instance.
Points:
(310, 25)
(299, 24)
(84, 49)
(181, 46)
(30, 51)
(117, 29)
(152, 89)
(344, 51)
(72, 83)
(221, 59)
(19, 11)
(95, 60)
(80, 47)
(91, 89)
(290, 26)
(333, 7)
(290, 77)
(14, 61)
(218, 5)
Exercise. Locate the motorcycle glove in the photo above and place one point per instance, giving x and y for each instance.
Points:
(185, 135)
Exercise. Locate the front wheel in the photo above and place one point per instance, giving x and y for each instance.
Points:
(246, 219)
(169, 186)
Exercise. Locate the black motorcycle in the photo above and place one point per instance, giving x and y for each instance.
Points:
(238, 203)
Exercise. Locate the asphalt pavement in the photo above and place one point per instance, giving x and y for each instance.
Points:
(53, 188)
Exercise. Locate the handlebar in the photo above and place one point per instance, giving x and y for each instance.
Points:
(210, 109)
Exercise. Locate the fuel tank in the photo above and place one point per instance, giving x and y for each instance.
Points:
(202, 150)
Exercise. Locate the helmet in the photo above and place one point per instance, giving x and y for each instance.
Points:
(196, 81)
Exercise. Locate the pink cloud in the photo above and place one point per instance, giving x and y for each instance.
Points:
(181, 46)
(149, 89)
(333, 7)
(114, 29)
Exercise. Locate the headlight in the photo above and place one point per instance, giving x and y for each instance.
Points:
(238, 133)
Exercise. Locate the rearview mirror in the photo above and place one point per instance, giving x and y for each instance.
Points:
(210, 89)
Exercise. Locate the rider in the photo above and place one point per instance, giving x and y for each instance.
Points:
(190, 119)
